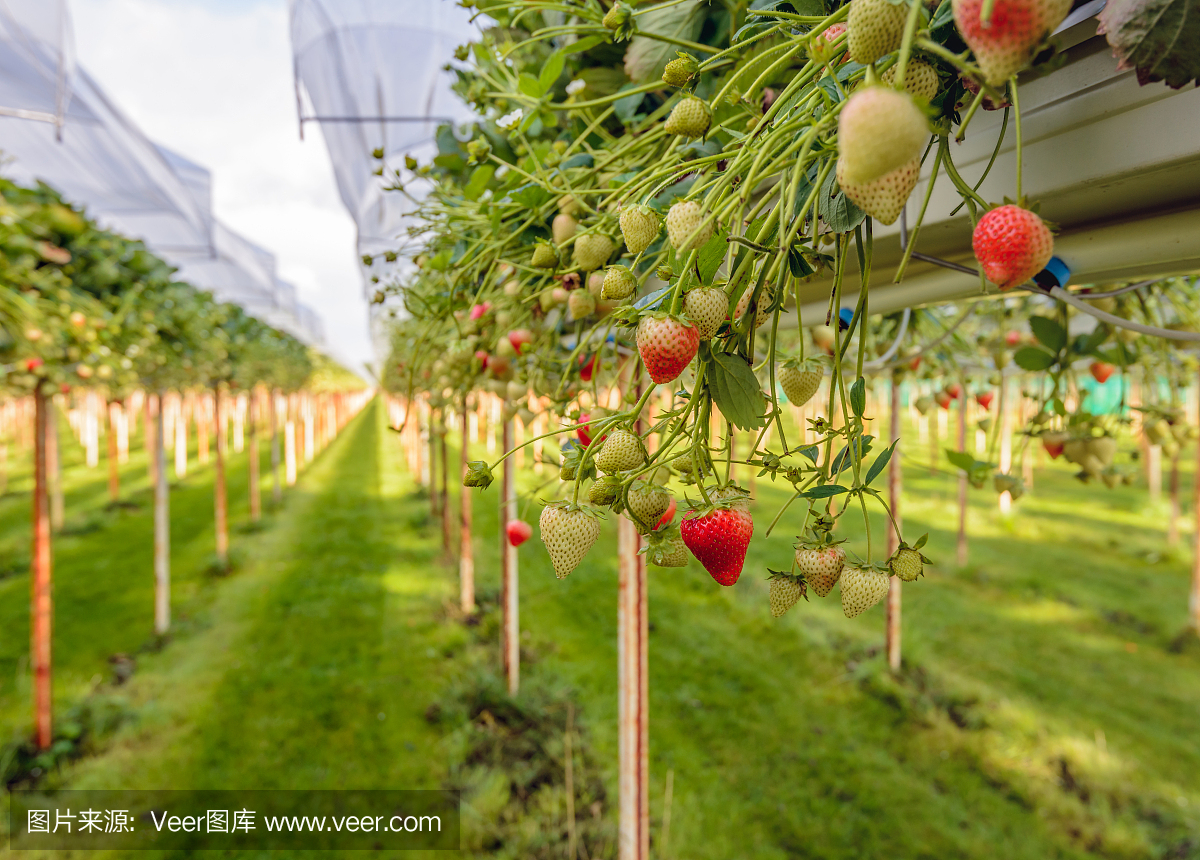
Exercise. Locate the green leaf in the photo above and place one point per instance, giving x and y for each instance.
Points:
(530, 196)
(626, 108)
(1032, 358)
(530, 86)
(1048, 332)
(582, 45)
(1160, 38)
(550, 72)
(797, 264)
(736, 391)
(825, 491)
(961, 459)
(812, 452)
(646, 56)
(858, 396)
(921, 541)
(836, 210)
(710, 257)
(880, 463)
(481, 176)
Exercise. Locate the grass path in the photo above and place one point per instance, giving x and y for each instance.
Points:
(1025, 724)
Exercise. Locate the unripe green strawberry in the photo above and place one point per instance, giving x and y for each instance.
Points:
(639, 227)
(622, 451)
(761, 308)
(670, 553)
(619, 283)
(581, 304)
(681, 70)
(690, 118)
(707, 307)
(862, 587)
(568, 531)
(737, 498)
(592, 251)
(879, 130)
(604, 491)
(785, 590)
(684, 220)
(920, 79)
(875, 28)
(1009, 40)
(544, 256)
(907, 564)
(800, 380)
(646, 504)
(568, 205)
(563, 227)
(821, 565)
(883, 198)
(620, 18)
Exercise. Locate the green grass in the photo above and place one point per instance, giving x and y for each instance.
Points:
(1041, 711)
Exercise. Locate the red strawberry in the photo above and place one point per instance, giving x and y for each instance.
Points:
(1053, 443)
(718, 540)
(520, 339)
(667, 345)
(518, 531)
(954, 390)
(587, 367)
(668, 515)
(585, 432)
(984, 399)
(1012, 338)
(1012, 244)
(1101, 371)
(478, 311)
(943, 399)
(915, 363)
(483, 358)
(32, 364)
(1008, 41)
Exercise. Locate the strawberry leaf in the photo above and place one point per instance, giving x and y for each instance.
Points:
(835, 208)
(736, 391)
(710, 257)
(825, 491)
(1159, 38)
(1033, 358)
(880, 463)
(1048, 332)
(858, 396)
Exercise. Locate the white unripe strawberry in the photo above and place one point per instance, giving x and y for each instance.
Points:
(879, 130)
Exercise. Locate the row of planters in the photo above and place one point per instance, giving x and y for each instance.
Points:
(642, 205)
(86, 313)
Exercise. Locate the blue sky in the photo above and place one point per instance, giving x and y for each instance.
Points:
(212, 79)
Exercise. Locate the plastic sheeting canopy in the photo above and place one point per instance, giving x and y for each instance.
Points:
(372, 71)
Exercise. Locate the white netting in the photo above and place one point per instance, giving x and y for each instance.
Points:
(127, 183)
(372, 71)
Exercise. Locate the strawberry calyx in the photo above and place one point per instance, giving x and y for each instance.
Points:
(789, 577)
(569, 507)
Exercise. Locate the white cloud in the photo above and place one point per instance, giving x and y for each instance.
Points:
(212, 80)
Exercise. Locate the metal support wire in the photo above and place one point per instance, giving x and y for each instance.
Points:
(1063, 296)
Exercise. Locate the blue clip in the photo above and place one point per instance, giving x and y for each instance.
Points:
(845, 317)
(1056, 274)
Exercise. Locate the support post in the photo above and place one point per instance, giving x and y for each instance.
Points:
(510, 644)
(1194, 597)
(252, 448)
(962, 481)
(895, 487)
(447, 543)
(276, 487)
(113, 452)
(1005, 444)
(466, 549)
(162, 528)
(220, 501)
(54, 467)
(633, 699)
(41, 606)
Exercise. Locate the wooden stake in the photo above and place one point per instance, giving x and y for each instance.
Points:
(895, 486)
(466, 549)
(633, 699)
(1194, 597)
(41, 607)
(276, 487)
(220, 501)
(54, 467)
(162, 528)
(447, 542)
(252, 448)
(962, 481)
(510, 644)
(1005, 443)
(289, 451)
(113, 452)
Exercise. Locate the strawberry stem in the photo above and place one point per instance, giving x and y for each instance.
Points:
(1012, 88)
